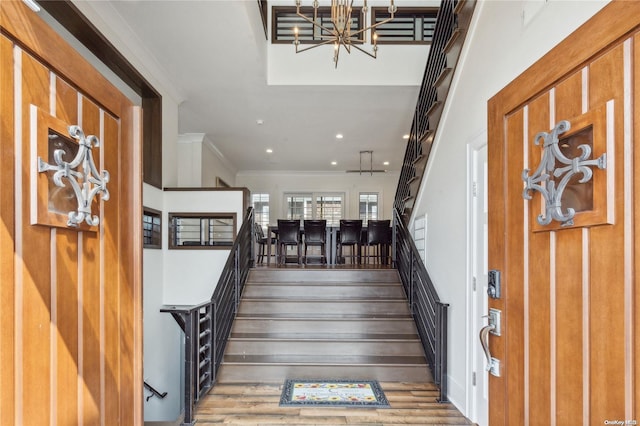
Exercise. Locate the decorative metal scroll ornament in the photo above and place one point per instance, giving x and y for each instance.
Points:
(86, 181)
(549, 165)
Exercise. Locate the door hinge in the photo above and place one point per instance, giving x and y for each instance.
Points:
(475, 189)
(474, 283)
(473, 378)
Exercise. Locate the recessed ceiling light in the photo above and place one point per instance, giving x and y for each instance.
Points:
(339, 136)
(405, 137)
(269, 150)
(334, 163)
(259, 122)
(386, 163)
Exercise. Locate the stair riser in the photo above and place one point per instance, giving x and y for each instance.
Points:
(323, 275)
(323, 309)
(303, 292)
(243, 325)
(319, 349)
(278, 373)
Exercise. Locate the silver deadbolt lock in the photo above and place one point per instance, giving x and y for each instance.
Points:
(493, 290)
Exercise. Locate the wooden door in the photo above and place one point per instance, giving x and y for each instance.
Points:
(70, 297)
(570, 327)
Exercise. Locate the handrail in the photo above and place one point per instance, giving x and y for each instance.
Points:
(207, 325)
(440, 63)
(154, 391)
(429, 313)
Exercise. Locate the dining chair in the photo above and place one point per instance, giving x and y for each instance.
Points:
(262, 241)
(378, 239)
(350, 236)
(315, 234)
(288, 235)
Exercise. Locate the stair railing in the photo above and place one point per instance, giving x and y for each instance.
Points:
(429, 313)
(154, 392)
(207, 326)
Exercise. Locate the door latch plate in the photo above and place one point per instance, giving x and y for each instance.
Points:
(495, 317)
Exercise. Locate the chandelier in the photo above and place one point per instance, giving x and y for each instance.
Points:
(339, 33)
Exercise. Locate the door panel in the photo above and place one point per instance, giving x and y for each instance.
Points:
(537, 273)
(515, 258)
(7, 230)
(607, 253)
(66, 307)
(33, 272)
(568, 346)
(71, 347)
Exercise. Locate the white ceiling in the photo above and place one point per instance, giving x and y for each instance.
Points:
(215, 55)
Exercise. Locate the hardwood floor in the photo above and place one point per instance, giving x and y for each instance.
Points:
(258, 404)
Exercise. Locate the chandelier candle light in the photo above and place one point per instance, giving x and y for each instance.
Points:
(340, 34)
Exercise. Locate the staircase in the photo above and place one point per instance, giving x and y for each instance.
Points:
(454, 19)
(323, 324)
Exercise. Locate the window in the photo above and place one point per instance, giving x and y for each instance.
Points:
(202, 230)
(151, 228)
(299, 206)
(260, 204)
(368, 206)
(284, 20)
(327, 206)
(409, 26)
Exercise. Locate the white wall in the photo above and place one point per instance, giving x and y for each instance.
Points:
(505, 38)
(189, 160)
(190, 275)
(214, 166)
(162, 335)
(351, 184)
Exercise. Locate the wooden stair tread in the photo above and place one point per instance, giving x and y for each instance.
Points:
(434, 106)
(319, 316)
(452, 40)
(322, 284)
(311, 335)
(324, 359)
(442, 76)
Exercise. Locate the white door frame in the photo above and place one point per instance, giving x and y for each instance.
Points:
(477, 301)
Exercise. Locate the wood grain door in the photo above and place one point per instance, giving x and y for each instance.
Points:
(70, 321)
(570, 328)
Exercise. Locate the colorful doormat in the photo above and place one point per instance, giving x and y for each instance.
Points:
(334, 393)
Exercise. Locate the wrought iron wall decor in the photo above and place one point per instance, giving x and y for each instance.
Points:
(555, 165)
(82, 174)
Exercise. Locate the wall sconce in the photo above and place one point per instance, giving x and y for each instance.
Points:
(81, 173)
(557, 171)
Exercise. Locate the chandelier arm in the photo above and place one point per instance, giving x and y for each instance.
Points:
(364, 51)
(313, 46)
